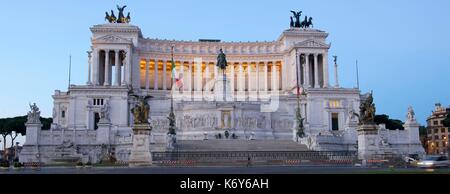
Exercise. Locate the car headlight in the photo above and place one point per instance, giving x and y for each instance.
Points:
(428, 163)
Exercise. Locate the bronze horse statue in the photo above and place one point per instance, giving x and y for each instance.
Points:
(111, 18)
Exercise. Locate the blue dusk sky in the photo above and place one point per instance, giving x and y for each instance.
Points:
(403, 46)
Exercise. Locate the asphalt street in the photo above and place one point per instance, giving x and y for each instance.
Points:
(224, 170)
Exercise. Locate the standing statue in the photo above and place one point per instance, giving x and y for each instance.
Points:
(411, 115)
(297, 16)
(104, 111)
(222, 60)
(34, 114)
(335, 59)
(367, 111)
(141, 110)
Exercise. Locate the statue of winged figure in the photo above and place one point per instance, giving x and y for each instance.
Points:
(141, 110)
(297, 16)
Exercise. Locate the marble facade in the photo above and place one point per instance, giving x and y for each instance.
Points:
(260, 100)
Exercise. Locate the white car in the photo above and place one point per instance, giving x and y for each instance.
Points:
(434, 161)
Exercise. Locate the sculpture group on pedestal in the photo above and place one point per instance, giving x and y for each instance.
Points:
(307, 23)
(122, 19)
(34, 114)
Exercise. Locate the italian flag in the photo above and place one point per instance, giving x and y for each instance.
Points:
(175, 77)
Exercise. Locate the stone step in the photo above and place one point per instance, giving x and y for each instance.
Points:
(239, 145)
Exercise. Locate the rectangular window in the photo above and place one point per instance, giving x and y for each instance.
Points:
(435, 130)
(96, 120)
(443, 130)
(436, 137)
(435, 122)
(63, 114)
(335, 121)
(429, 131)
(334, 104)
(98, 102)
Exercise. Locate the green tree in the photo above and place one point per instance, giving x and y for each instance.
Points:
(423, 131)
(3, 132)
(446, 121)
(391, 124)
(15, 126)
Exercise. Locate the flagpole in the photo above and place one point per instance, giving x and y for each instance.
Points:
(172, 119)
(171, 83)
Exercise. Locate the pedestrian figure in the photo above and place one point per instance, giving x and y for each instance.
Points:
(248, 161)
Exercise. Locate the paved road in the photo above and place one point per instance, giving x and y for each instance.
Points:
(222, 170)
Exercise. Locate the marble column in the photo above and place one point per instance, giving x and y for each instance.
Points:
(89, 82)
(336, 75)
(266, 76)
(303, 70)
(155, 87)
(232, 77)
(147, 80)
(107, 68)
(257, 77)
(207, 73)
(241, 80)
(215, 72)
(249, 76)
(325, 70)
(189, 80)
(127, 66)
(274, 77)
(183, 77)
(117, 65)
(316, 71)
(198, 78)
(307, 71)
(164, 74)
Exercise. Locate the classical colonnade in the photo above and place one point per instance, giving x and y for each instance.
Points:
(102, 61)
(312, 70)
(199, 76)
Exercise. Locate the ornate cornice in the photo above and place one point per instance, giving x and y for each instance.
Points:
(116, 28)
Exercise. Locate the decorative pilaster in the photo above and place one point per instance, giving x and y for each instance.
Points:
(96, 67)
(189, 80)
(325, 70)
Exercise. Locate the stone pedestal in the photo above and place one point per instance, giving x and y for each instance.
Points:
(368, 142)
(221, 93)
(103, 132)
(140, 152)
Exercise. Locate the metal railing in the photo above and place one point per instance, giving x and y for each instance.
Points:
(256, 158)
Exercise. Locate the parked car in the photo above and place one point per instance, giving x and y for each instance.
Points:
(433, 162)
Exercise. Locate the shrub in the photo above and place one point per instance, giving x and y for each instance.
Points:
(79, 163)
(4, 163)
(18, 165)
